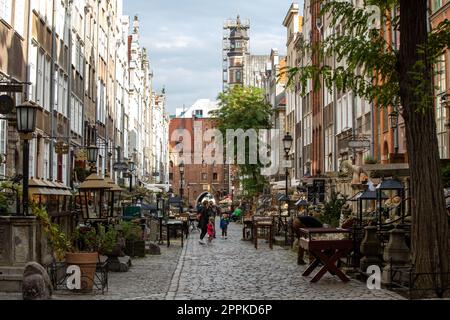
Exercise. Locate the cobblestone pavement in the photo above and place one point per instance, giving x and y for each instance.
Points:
(148, 278)
(225, 270)
(234, 269)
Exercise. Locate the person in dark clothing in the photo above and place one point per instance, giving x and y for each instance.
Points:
(300, 223)
(204, 214)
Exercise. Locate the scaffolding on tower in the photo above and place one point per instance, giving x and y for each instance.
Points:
(228, 26)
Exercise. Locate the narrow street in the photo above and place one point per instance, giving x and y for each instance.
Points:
(225, 270)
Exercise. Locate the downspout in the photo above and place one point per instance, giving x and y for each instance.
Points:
(52, 95)
(69, 92)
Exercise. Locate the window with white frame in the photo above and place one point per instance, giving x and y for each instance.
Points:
(47, 83)
(46, 163)
(32, 158)
(6, 11)
(19, 16)
(40, 78)
(441, 87)
(32, 69)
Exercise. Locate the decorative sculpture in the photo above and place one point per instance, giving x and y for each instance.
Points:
(359, 176)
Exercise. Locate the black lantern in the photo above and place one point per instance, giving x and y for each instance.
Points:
(92, 154)
(26, 125)
(445, 100)
(26, 117)
(287, 142)
(393, 118)
(132, 166)
(181, 167)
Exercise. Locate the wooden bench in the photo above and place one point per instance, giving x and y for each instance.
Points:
(325, 251)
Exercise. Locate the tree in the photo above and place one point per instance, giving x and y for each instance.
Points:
(376, 71)
(245, 108)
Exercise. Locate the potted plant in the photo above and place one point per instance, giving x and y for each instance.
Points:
(85, 254)
(370, 160)
(135, 245)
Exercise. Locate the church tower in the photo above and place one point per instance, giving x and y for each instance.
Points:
(236, 47)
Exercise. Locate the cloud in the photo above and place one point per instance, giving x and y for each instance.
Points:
(184, 39)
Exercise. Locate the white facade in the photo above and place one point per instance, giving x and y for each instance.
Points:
(202, 108)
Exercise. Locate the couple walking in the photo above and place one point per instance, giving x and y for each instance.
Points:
(206, 221)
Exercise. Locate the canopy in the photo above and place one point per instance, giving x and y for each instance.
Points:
(390, 184)
(94, 181)
(371, 195)
(302, 202)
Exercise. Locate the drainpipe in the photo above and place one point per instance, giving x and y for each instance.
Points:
(52, 94)
(69, 93)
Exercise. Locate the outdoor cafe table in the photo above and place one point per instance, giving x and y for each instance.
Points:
(326, 250)
(174, 224)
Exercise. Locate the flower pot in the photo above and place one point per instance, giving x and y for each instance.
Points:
(87, 261)
(135, 248)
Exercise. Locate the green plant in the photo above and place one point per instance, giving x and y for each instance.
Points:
(446, 176)
(58, 240)
(332, 209)
(370, 160)
(131, 231)
(109, 241)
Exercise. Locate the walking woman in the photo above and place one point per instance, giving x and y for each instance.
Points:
(203, 219)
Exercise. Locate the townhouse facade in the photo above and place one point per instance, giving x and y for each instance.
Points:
(87, 71)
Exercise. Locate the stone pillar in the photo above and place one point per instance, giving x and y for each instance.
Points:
(17, 248)
(370, 249)
(396, 254)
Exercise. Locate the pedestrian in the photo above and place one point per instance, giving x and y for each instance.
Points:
(203, 218)
(237, 214)
(224, 222)
(211, 230)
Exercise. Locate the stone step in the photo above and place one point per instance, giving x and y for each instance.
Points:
(11, 279)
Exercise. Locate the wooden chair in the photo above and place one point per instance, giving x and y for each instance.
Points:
(266, 225)
(248, 226)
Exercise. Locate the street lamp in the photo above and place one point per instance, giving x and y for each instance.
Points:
(92, 155)
(393, 117)
(26, 125)
(132, 167)
(287, 144)
(445, 103)
(181, 167)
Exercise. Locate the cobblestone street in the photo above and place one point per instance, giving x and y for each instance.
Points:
(234, 269)
(225, 270)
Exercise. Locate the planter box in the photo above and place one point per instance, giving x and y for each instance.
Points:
(135, 248)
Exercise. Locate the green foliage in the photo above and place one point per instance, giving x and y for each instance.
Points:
(370, 160)
(131, 231)
(58, 240)
(90, 239)
(109, 240)
(332, 209)
(364, 61)
(81, 174)
(245, 108)
(446, 176)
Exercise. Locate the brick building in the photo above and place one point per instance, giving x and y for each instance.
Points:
(199, 177)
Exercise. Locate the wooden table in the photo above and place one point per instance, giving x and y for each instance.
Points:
(325, 251)
(266, 224)
(174, 224)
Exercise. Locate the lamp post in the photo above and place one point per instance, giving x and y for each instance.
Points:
(26, 125)
(132, 167)
(92, 155)
(393, 119)
(287, 144)
(181, 167)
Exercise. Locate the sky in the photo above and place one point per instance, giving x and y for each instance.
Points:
(184, 41)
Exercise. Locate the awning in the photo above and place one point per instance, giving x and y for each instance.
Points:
(94, 181)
